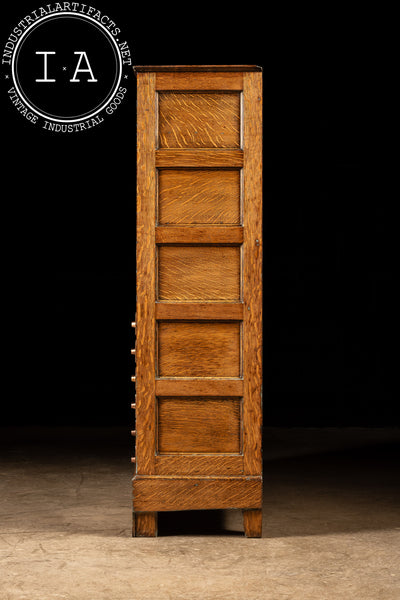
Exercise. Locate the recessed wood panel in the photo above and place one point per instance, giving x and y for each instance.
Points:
(202, 349)
(208, 425)
(199, 273)
(199, 120)
(198, 196)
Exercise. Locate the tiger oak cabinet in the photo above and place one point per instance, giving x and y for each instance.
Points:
(199, 293)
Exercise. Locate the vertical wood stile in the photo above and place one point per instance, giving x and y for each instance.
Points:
(252, 272)
(146, 268)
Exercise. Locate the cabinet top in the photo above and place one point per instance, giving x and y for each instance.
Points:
(195, 68)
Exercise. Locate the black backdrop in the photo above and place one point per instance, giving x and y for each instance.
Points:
(68, 207)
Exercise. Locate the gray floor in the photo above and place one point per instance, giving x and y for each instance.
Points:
(331, 523)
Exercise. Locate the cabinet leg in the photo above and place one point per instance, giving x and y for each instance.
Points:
(252, 521)
(144, 524)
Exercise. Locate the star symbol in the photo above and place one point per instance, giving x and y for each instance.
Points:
(125, 76)
(7, 77)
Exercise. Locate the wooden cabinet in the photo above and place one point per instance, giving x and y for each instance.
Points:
(199, 292)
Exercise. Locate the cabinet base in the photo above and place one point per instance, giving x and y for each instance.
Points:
(152, 494)
(144, 524)
(252, 522)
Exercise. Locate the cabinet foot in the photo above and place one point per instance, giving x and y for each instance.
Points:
(144, 524)
(252, 521)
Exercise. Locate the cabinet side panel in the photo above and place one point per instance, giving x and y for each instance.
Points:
(252, 273)
(145, 264)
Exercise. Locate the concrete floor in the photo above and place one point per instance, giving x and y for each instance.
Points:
(331, 523)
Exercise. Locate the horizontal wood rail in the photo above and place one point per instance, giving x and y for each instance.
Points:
(200, 81)
(198, 158)
(194, 234)
(199, 310)
(197, 464)
(199, 387)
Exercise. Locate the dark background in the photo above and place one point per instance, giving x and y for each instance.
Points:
(68, 207)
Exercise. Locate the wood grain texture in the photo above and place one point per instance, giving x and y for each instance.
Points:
(199, 273)
(198, 196)
(199, 81)
(145, 265)
(192, 387)
(196, 234)
(144, 524)
(202, 349)
(199, 464)
(195, 493)
(199, 310)
(252, 274)
(252, 522)
(199, 120)
(196, 424)
(199, 158)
